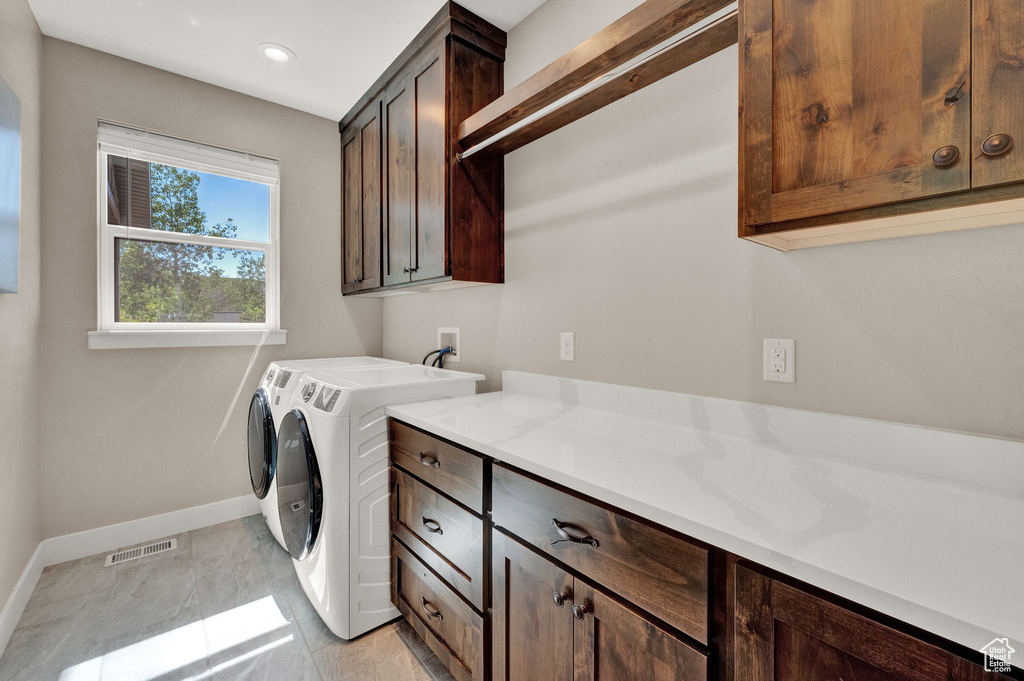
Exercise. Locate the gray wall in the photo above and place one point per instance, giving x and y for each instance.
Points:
(132, 433)
(20, 50)
(621, 228)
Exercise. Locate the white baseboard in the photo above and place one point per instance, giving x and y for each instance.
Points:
(90, 542)
(15, 605)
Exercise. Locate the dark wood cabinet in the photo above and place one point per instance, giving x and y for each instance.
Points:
(551, 626)
(854, 116)
(531, 615)
(999, 92)
(662, 573)
(361, 201)
(555, 586)
(786, 634)
(442, 219)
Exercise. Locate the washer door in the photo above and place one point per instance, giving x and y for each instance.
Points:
(299, 489)
(262, 444)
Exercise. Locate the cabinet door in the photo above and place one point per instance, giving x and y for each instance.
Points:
(783, 634)
(399, 179)
(532, 632)
(614, 643)
(361, 202)
(998, 53)
(850, 104)
(430, 246)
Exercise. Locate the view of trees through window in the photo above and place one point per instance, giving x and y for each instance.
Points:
(169, 282)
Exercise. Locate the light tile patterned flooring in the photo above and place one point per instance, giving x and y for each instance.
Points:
(225, 605)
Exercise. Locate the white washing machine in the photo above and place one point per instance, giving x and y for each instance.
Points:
(269, 404)
(333, 487)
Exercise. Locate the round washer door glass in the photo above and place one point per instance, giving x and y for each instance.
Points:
(299, 490)
(262, 444)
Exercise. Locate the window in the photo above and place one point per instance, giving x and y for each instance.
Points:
(188, 243)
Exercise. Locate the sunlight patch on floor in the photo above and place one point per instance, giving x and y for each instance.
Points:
(155, 657)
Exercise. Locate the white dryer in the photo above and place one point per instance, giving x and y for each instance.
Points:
(333, 487)
(269, 404)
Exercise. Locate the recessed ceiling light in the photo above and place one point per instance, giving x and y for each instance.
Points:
(275, 52)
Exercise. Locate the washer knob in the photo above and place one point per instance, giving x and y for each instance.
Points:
(307, 391)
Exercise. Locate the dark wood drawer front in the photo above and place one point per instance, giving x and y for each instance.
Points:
(661, 573)
(442, 534)
(455, 630)
(457, 472)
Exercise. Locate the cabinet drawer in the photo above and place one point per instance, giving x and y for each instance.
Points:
(663, 574)
(442, 534)
(457, 472)
(449, 627)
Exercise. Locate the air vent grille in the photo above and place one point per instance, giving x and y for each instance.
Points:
(141, 552)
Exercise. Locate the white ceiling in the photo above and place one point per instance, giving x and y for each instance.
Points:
(342, 45)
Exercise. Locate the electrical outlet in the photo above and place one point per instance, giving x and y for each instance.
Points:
(450, 336)
(780, 360)
(567, 347)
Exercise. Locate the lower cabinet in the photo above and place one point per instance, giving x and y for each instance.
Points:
(507, 577)
(551, 626)
(786, 634)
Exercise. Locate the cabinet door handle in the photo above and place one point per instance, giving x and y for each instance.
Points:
(560, 597)
(429, 460)
(409, 270)
(432, 526)
(357, 281)
(570, 537)
(955, 94)
(997, 145)
(946, 156)
(579, 611)
(431, 610)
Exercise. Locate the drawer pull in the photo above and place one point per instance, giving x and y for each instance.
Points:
(429, 460)
(431, 610)
(579, 611)
(559, 598)
(432, 526)
(568, 536)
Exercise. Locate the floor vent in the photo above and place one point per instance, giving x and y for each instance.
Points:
(141, 552)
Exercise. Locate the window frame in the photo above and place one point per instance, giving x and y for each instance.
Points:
(116, 140)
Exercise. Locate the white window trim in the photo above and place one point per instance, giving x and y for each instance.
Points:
(135, 144)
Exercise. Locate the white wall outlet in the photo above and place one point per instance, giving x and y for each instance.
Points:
(567, 347)
(450, 336)
(780, 360)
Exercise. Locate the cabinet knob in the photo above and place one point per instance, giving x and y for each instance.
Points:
(946, 156)
(357, 281)
(997, 145)
(429, 460)
(579, 611)
(559, 597)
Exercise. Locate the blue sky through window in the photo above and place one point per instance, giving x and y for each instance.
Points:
(247, 203)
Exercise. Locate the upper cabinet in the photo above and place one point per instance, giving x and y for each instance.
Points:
(999, 87)
(413, 215)
(361, 201)
(856, 118)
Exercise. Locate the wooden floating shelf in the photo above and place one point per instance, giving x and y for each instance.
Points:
(532, 109)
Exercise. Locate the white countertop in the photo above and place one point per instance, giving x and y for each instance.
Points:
(924, 525)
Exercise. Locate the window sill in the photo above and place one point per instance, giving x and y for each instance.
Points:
(185, 338)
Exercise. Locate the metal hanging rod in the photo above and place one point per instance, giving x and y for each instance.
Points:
(689, 33)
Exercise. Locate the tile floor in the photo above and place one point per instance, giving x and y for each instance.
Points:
(225, 605)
